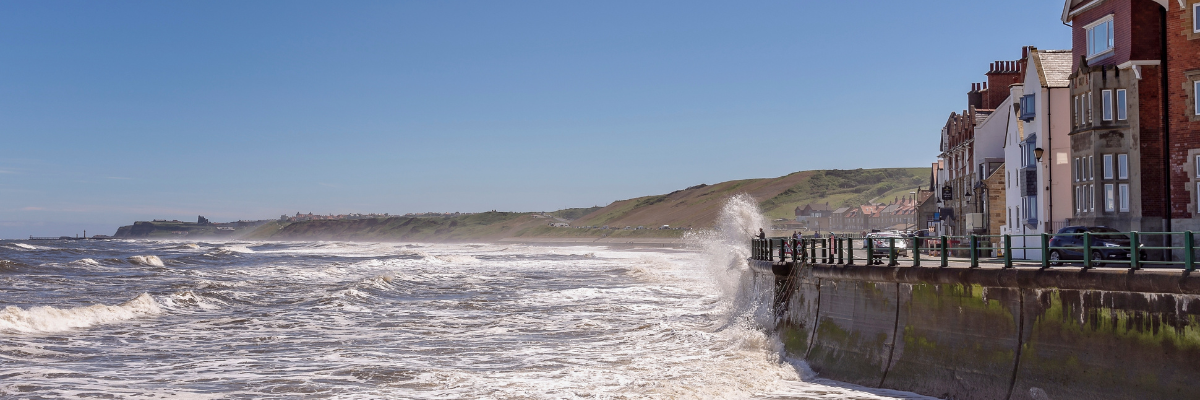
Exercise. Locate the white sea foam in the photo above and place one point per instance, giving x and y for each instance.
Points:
(51, 319)
(188, 299)
(453, 259)
(85, 262)
(153, 261)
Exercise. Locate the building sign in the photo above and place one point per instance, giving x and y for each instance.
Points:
(947, 193)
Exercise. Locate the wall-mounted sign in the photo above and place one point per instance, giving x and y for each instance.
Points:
(947, 193)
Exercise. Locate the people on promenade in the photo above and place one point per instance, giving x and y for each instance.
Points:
(762, 234)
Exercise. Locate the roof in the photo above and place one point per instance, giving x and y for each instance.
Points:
(841, 210)
(981, 115)
(1053, 67)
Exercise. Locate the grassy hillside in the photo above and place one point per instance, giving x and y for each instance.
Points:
(697, 206)
(467, 227)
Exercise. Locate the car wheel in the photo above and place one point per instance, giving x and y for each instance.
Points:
(1097, 258)
(1055, 258)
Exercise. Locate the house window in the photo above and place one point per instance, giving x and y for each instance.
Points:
(1075, 170)
(1079, 111)
(1123, 191)
(1122, 111)
(1198, 163)
(1195, 21)
(1089, 109)
(1100, 36)
(1091, 162)
(1109, 199)
(1106, 105)
(1122, 166)
(1079, 200)
(1091, 195)
(1196, 89)
(1108, 166)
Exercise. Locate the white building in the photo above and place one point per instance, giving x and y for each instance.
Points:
(1038, 193)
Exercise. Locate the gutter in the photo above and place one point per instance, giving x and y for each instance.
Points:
(1166, 126)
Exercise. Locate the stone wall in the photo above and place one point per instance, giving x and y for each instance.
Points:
(994, 334)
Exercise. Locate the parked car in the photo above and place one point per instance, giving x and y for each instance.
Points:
(1107, 244)
(881, 244)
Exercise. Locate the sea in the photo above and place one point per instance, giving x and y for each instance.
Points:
(180, 319)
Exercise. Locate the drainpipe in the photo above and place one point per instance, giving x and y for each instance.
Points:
(1166, 117)
(1049, 170)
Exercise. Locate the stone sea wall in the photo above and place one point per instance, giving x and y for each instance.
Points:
(994, 334)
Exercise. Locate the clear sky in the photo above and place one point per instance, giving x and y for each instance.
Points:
(112, 112)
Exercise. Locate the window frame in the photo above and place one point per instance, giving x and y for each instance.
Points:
(1195, 90)
(1195, 21)
(1123, 197)
(1091, 168)
(1106, 105)
(1122, 166)
(1110, 200)
(1108, 166)
(1089, 33)
(1123, 104)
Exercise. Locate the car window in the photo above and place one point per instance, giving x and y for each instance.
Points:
(1101, 229)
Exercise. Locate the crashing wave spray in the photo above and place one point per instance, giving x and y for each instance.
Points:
(725, 250)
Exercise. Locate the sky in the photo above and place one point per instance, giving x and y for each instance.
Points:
(112, 112)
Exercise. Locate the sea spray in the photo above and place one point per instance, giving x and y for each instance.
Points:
(725, 250)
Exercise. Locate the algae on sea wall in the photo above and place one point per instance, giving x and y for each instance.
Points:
(955, 340)
(855, 328)
(1078, 343)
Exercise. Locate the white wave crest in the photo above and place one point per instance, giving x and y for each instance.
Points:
(453, 259)
(188, 299)
(85, 261)
(50, 319)
(153, 261)
(24, 246)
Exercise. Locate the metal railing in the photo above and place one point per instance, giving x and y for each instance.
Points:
(1132, 250)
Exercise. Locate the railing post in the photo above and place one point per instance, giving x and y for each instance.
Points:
(1087, 250)
(1045, 250)
(974, 244)
(870, 251)
(945, 246)
(1189, 254)
(841, 250)
(916, 249)
(892, 252)
(850, 258)
(814, 255)
(1007, 251)
(1135, 256)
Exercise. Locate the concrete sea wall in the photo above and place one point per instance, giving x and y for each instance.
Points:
(994, 334)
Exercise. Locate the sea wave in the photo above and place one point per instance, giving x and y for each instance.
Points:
(51, 319)
(189, 299)
(153, 261)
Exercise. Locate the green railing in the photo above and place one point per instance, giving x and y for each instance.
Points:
(1132, 250)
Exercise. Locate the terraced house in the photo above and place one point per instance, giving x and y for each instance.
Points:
(1117, 134)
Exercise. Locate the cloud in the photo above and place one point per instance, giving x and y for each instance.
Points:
(6, 172)
(32, 209)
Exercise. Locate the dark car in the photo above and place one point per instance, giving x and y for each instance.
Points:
(1107, 244)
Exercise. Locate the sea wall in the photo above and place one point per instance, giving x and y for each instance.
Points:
(994, 334)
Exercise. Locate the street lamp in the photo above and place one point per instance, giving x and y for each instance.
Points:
(1038, 153)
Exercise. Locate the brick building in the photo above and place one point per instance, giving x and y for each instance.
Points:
(1116, 114)
(1183, 118)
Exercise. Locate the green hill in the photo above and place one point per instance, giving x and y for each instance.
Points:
(697, 206)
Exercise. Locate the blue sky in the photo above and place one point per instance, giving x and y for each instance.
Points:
(119, 111)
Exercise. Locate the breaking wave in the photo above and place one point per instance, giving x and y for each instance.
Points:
(153, 261)
(51, 319)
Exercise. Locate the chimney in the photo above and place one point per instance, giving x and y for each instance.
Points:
(975, 97)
